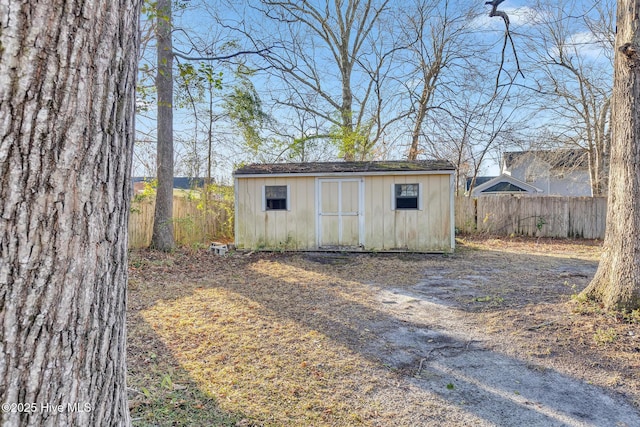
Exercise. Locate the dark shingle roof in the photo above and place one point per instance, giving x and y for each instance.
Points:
(503, 187)
(479, 181)
(345, 167)
(183, 183)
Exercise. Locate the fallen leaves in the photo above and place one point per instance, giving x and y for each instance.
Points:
(278, 339)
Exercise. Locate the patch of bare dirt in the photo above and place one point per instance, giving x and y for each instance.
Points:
(491, 335)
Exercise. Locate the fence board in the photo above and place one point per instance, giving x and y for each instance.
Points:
(542, 216)
(192, 223)
(141, 224)
(465, 214)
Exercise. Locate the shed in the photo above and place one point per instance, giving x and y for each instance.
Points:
(347, 206)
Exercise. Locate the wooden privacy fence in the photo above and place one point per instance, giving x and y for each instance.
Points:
(540, 216)
(193, 223)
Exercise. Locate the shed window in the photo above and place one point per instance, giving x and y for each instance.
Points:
(275, 197)
(406, 196)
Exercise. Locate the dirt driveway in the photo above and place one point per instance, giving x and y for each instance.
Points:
(488, 336)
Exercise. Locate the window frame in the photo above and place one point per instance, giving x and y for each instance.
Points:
(265, 200)
(395, 197)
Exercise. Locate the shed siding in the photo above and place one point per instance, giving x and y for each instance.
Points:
(293, 228)
(428, 229)
(418, 230)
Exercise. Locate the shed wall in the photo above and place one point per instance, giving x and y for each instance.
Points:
(428, 229)
(293, 229)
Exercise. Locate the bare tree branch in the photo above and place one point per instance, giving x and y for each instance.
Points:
(224, 57)
(507, 36)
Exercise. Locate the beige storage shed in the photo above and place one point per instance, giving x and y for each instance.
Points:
(347, 206)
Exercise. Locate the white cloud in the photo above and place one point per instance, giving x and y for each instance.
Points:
(518, 17)
(587, 45)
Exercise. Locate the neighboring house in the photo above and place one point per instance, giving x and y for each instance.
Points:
(545, 172)
(478, 181)
(179, 183)
(351, 206)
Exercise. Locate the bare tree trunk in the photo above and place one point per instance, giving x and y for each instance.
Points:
(417, 127)
(596, 189)
(346, 106)
(67, 82)
(602, 148)
(162, 237)
(423, 106)
(617, 281)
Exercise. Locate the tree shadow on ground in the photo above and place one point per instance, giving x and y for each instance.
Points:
(276, 329)
(161, 392)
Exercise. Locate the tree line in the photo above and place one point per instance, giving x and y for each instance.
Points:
(365, 79)
(319, 80)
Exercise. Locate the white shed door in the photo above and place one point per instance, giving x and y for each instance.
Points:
(340, 213)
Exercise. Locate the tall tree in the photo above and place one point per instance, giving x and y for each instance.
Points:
(480, 125)
(183, 61)
(327, 44)
(435, 30)
(162, 237)
(571, 50)
(196, 86)
(617, 281)
(67, 82)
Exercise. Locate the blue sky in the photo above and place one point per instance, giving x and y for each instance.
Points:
(199, 25)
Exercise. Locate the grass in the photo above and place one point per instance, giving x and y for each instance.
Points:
(162, 393)
(550, 247)
(489, 299)
(252, 361)
(605, 336)
(264, 342)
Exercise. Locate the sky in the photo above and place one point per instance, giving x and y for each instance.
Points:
(198, 25)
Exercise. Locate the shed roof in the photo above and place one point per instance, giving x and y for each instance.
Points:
(345, 167)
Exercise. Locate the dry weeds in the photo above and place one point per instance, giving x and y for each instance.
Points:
(286, 339)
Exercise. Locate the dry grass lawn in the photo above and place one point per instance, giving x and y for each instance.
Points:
(281, 339)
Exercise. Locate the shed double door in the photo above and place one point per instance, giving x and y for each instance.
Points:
(340, 218)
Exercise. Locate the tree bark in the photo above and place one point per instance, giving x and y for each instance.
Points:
(617, 280)
(67, 104)
(346, 110)
(162, 237)
(602, 147)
